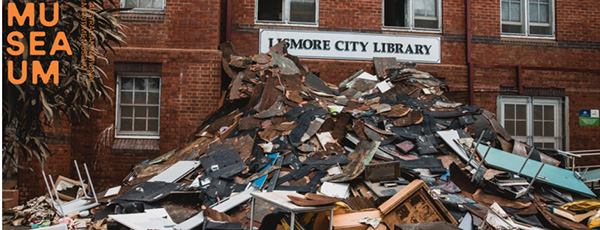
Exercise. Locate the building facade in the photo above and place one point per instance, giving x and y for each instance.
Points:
(534, 63)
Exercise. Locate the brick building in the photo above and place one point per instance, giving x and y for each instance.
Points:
(532, 62)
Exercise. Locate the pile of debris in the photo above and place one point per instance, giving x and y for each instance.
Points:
(384, 151)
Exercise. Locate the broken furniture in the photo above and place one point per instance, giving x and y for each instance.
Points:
(280, 199)
(79, 204)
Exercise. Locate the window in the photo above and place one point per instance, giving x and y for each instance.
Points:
(138, 106)
(532, 120)
(287, 11)
(412, 14)
(144, 4)
(528, 17)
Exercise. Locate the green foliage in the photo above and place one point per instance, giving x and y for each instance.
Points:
(29, 110)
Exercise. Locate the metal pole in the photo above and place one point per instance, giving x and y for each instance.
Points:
(476, 146)
(534, 178)
(91, 184)
(252, 215)
(49, 191)
(57, 197)
(481, 163)
(293, 220)
(526, 159)
(331, 219)
(80, 180)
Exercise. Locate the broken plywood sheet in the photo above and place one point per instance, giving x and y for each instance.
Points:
(550, 174)
(382, 64)
(176, 171)
(362, 155)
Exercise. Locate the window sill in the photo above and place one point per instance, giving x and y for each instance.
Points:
(135, 146)
(526, 37)
(407, 30)
(153, 16)
(284, 24)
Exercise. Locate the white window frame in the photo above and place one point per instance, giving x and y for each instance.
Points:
(141, 135)
(286, 16)
(411, 22)
(525, 22)
(144, 10)
(529, 102)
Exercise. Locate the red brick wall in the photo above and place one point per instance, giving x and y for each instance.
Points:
(190, 91)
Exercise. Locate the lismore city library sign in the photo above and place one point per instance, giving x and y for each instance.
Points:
(357, 46)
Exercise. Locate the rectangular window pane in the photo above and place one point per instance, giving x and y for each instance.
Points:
(145, 4)
(126, 111)
(153, 84)
(548, 112)
(140, 111)
(533, 13)
(271, 10)
(537, 112)
(153, 111)
(140, 84)
(126, 124)
(140, 98)
(131, 4)
(544, 12)
(505, 16)
(157, 4)
(521, 128)
(509, 111)
(126, 97)
(515, 29)
(425, 8)
(538, 128)
(153, 125)
(395, 13)
(549, 129)
(521, 112)
(139, 125)
(302, 10)
(153, 98)
(515, 12)
(510, 127)
(126, 83)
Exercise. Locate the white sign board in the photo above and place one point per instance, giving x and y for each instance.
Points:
(357, 46)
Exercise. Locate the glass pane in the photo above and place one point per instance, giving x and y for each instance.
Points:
(270, 10)
(549, 112)
(505, 11)
(537, 112)
(140, 97)
(548, 145)
(395, 12)
(521, 112)
(140, 125)
(509, 111)
(515, 12)
(126, 111)
(302, 10)
(130, 3)
(140, 111)
(153, 83)
(145, 4)
(510, 127)
(521, 128)
(140, 84)
(153, 98)
(126, 97)
(538, 144)
(549, 129)
(126, 83)
(425, 7)
(153, 125)
(152, 111)
(157, 4)
(126, 124)
(533, 13)
(544, 12)
(538, 128)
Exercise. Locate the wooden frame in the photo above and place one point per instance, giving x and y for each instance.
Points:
(62, 182)
(414, 205)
